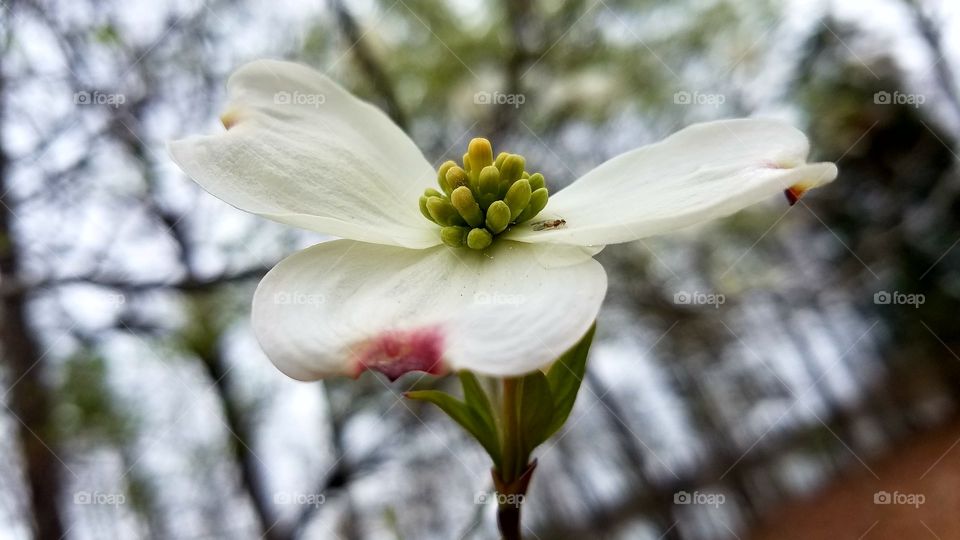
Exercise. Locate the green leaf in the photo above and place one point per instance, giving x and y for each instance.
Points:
(536, 411)
(476, 398)
(471, 420)
(565, 376)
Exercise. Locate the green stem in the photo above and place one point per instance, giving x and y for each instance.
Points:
(511, 429)
(514, 477)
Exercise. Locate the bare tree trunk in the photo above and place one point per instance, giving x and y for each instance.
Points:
(29, 397)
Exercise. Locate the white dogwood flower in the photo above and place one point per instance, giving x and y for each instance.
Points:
(472, 268)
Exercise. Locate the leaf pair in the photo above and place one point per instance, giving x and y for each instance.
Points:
(544, 404)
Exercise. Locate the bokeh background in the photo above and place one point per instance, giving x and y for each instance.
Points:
(788, 372)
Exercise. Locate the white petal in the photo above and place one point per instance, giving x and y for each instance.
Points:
(341, 307)
(301, 150)
(703, 172)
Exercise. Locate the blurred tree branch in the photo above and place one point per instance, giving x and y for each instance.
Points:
(241, 437)
(369, 64)
(504, 117)
(126, 285)
(931, 33)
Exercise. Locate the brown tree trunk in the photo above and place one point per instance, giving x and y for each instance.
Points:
(28, 396)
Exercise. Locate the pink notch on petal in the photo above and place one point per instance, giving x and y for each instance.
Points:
(397, 352)
(793, 194)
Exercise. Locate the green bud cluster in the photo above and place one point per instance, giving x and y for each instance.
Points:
(484, 197)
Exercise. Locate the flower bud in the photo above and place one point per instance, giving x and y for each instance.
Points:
(454, 236)
(537, 181)
(489, 180)
(479, 239)
(512, 168)
(538, 201)
(456, 177)
(481, 154)
(423, 208)
(498, 217)
(443, 212)
(442, 175)
(518, 197)
(462, 199)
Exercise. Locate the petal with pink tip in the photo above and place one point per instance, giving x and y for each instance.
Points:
(703, 172)
(344, 307)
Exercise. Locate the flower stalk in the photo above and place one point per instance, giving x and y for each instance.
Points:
(512, 480)
(511, 496)
(530, 409)
(511, 429)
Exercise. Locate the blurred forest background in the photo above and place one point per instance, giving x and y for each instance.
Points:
(135, 403)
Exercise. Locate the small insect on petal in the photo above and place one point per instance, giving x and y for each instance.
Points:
(397, 352)
(549, 225)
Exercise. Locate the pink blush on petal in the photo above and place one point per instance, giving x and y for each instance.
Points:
(397, 352)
